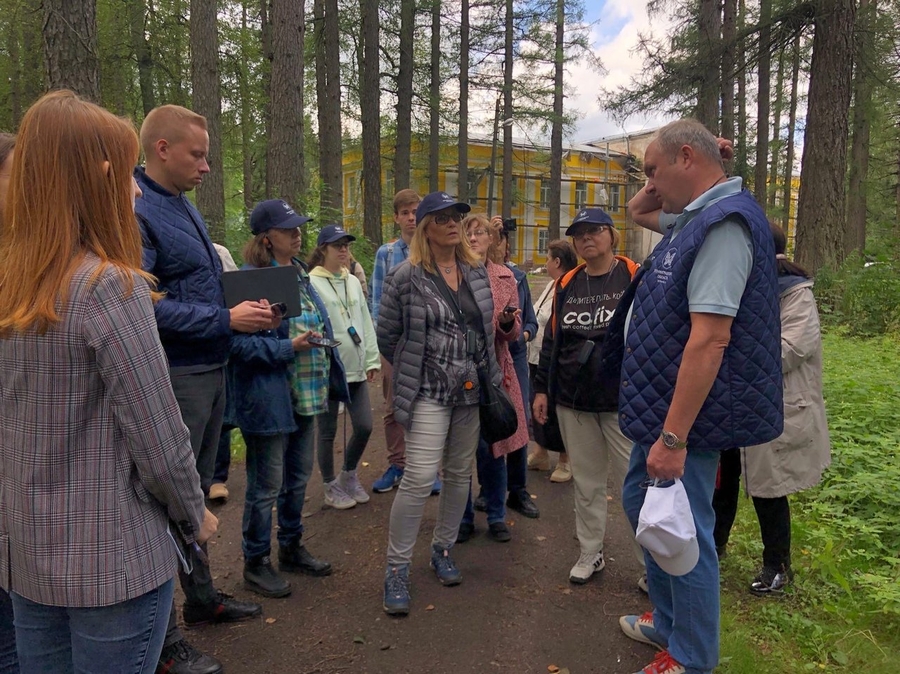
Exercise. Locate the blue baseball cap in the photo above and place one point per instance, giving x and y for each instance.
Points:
(438, 201)
(589, 216)
(332, 233)
(275, 214)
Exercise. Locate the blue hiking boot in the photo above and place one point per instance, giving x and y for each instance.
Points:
(444, 567)
(389, 480)
(396, 590)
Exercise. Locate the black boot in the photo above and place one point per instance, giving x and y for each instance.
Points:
(260, 577)
(182, 658)
(295, 558)
(225, 609)
(520, 501)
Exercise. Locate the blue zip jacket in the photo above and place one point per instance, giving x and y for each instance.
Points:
(517, 349)
(259, 381)
(194, 324)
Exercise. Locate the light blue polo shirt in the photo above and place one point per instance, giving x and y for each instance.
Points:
(724, 261)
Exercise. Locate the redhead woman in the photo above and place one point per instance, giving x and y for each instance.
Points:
(435, 322)
(95, 460)
(484, 238)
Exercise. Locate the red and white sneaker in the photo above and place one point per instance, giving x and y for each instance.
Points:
(662, 664)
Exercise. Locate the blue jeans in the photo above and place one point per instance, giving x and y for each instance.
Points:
(9, 661)
(686, 608)
(125, 638)
(223, 455)
(517, 461)
(278, 468)
(492, 478)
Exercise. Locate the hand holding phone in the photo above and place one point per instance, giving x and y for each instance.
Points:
(323, 341)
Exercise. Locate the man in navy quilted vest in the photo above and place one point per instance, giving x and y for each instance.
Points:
(701, 372)
(195, 331)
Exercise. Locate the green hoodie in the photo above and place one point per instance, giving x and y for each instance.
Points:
(346, 305)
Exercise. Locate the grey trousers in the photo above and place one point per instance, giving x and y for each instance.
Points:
(435, 432)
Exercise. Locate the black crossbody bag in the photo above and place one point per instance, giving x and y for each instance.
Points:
(495, 408)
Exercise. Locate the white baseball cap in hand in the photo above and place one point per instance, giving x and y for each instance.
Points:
(666, 529)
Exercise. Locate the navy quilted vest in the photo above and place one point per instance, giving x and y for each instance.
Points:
(744, 406)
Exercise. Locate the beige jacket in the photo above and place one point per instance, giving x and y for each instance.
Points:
(795, 460)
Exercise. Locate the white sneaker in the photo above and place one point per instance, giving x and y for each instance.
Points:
(350, 484)
(336, 497)
(586, 566)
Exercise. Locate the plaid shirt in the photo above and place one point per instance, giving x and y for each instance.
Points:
(388, 256)
(309, 373)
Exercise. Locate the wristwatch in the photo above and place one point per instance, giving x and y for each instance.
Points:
(672, 441)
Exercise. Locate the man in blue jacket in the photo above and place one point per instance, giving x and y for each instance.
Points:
(195, 331)
(701, 373)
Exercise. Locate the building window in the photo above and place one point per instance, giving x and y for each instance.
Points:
(543, 240)
(615, 198)
(545, 194)
(580, 194)
(352, 186)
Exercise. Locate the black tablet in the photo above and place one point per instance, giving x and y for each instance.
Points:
(275, 284)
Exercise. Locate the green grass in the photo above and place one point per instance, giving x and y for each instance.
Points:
(843, 611)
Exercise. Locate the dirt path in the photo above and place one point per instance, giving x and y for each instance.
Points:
(515, 611)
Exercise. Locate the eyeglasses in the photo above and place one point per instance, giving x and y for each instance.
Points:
(592, 232)
(478, 232)
(444, 218)
(340, 246)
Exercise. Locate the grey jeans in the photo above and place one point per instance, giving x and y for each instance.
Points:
(435, 432)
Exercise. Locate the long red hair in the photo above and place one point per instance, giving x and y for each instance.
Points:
(62, 204)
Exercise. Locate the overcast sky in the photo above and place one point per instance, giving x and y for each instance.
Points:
(614, 36)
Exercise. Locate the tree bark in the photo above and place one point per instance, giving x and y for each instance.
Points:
(285, 150)
(822, 216)
(328, 94)
(370, 107)
(15, 71)
(729, 17)
(776, 131)
(555, 196)
(463, 141)
(792, 126)
(506, 204)
(70, 46)
(762, 101)
(857, 201)
(742, 144)
(208, 102)
(709, 25)
(434, 134)
(137, 19)
(405, 71)
(246, 114)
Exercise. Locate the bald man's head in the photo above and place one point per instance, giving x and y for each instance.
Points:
(176, 144)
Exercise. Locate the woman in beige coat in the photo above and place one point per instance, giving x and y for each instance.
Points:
(795, 460)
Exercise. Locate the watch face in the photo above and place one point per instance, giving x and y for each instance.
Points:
(670, 440)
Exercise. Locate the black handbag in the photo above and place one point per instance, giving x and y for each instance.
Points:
(499, 420)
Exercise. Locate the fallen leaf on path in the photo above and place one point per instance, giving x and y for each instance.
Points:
(385, 647)
(365, 464)
(430, 607)
(553, 669)
(541, 538)
(567, 591)
(358, 640)
(269, 621)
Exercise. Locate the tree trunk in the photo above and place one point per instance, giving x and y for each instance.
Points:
(556, 130)
(15, 71)
(405, 95)
(822, 215)
(434, 135)
(709, 25)
(370, 108)
(857, 202)
(265, 14)
(492, 171)
(70, 46)
(328, 94)
(463, 141)
(776, 131)
(791, 128)
(742, 142)
(208, 102)
(137, 15)
(506, 204)
(246, 113)
(729, 48)
(285, 150)
(762, 101)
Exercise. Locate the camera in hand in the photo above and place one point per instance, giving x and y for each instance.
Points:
(509, 225)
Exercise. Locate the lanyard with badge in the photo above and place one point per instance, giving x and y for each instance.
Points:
(345, 303)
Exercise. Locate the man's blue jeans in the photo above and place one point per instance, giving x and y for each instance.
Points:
(492, 478)
(517, 461)
(125, 638)
(686, 608)
(9, 661)
(278, 468)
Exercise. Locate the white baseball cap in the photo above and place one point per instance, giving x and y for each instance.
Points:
(666, 529)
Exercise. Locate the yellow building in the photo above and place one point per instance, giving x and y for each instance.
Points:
(590, 177)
